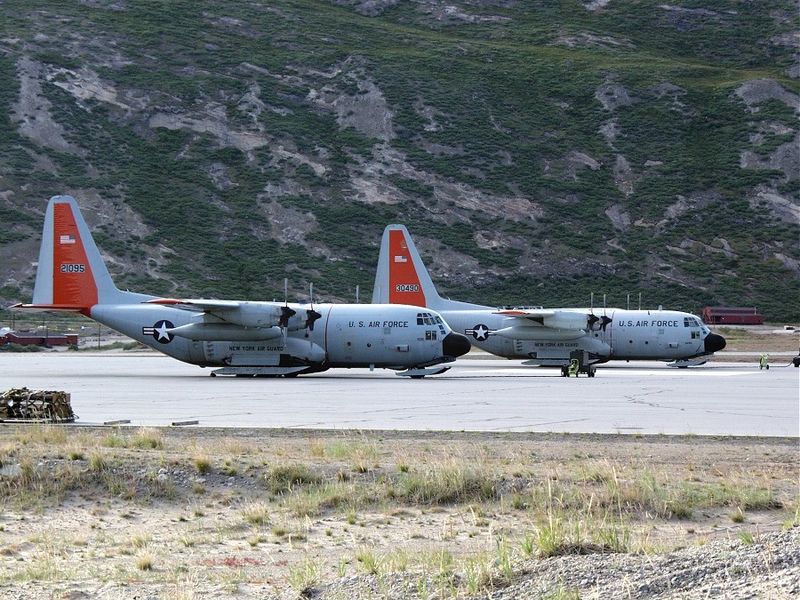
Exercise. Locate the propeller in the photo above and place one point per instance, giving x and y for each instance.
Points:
(592, 320)
(286, 312)
(311, 314)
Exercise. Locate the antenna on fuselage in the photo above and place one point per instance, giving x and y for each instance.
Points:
(356, 293)
(640, 300)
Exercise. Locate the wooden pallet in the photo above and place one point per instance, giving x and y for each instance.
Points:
(24, 405)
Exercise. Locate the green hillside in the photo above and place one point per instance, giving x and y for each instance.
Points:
(538, 151)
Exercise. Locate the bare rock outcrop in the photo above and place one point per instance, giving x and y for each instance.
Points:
(33, 111)
(760, 90)
(783, 208)
(785, 157)
(612, 95)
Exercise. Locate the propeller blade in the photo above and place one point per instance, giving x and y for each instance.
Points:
(286, 314)
(311, 317)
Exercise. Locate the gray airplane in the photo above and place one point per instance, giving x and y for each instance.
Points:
(545, 336)
(242, 338)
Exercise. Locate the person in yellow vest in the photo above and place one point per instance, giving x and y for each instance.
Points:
(574, 365)
(763, 361)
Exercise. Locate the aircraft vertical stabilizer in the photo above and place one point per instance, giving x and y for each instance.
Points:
(401, 277)
(71, 274)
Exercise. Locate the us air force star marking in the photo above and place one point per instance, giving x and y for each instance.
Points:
(480, 332)
(160, 332)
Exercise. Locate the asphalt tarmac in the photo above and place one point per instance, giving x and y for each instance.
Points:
(475, 395)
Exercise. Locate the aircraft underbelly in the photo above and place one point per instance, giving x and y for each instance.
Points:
(271, 353)
(560, 349)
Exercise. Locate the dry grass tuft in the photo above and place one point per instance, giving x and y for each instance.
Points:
(256, 514)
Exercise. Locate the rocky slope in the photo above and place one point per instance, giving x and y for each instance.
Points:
(538, 151)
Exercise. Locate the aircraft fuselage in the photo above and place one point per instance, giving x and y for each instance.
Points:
(345, 335)
(626, 335)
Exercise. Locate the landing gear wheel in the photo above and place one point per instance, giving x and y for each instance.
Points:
(590, 371)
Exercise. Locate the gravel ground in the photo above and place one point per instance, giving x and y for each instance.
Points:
(766, 568)
(148, 499)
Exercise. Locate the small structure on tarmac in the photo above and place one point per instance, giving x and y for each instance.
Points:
(732, 315)
(37, 339)
(22, 404)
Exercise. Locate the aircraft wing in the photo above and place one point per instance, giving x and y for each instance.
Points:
(553, 318)
(247, 314)
(198, 305)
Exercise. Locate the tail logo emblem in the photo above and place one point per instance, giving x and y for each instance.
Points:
(159, 331)
(480, 332)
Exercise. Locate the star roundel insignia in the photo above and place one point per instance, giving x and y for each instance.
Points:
(480, 332)
(160, 332)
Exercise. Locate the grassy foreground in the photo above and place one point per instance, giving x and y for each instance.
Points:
(227, 510)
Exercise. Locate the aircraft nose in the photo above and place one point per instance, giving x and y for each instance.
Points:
(455, 344)
(713, 342)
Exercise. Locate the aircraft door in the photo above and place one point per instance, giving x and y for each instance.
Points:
(355, 339)
(342, 338)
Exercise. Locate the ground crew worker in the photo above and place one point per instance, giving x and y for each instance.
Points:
(763, 361)
(574, 365)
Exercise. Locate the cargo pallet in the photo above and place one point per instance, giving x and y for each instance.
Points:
(21, 405)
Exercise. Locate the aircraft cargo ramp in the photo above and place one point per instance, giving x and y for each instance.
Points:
(41, 406)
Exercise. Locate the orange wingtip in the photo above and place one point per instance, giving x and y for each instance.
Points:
(515, 313)
(165, 301)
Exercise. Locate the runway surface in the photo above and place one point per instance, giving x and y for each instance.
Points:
(475, 395)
